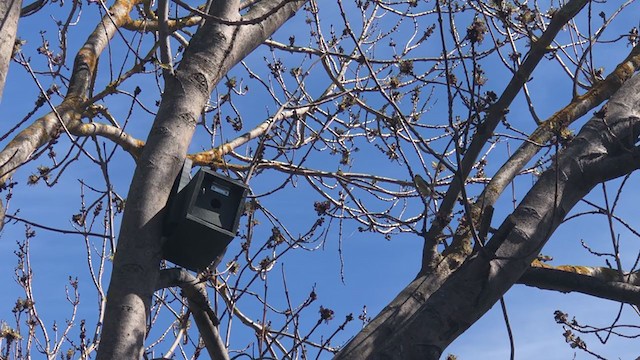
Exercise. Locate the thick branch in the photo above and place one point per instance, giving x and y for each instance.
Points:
(411, 326)
(578, 107)
(565, 281)
(130, 144)
(42, 130)
(196, 293)
(496, 113)
(166, 60)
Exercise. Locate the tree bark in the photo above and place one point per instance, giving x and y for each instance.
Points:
(625, 291)
(439, 306)
(213, 50)
(489, 124)
(9, 15)
(206, 320)
(41, 131)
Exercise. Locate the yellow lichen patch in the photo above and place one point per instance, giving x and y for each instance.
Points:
(146, 25)
(205, 157)
(537, 263)
(576, 269)
(602, 273)
(596, 94)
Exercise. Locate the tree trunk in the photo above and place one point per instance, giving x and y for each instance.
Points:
(9, 15)
(213, 50)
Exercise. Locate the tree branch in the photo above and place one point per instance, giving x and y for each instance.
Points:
(561, 119)
(20, 148)
(147, 25)
(166, 61)
(578, 107)
(454, 298)
(130, 144)
(566, 282)
(214, 155)
(196, 293)
(496, 113)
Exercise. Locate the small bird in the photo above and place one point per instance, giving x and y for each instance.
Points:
(422, 186)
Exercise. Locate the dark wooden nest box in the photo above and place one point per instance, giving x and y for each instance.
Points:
(202, 217)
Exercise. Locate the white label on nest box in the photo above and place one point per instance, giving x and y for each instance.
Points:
(220, 190)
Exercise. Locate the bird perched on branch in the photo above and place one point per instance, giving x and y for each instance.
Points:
(422, 186)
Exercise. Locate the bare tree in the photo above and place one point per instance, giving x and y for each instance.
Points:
(390, 119)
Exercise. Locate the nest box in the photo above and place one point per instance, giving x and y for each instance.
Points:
(202, 217)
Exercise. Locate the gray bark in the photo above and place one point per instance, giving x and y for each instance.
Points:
(40, 132)
(439, 306)
(9, 15)
(213, 50)
(206, 320)
(491, 121)
(558, 280)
